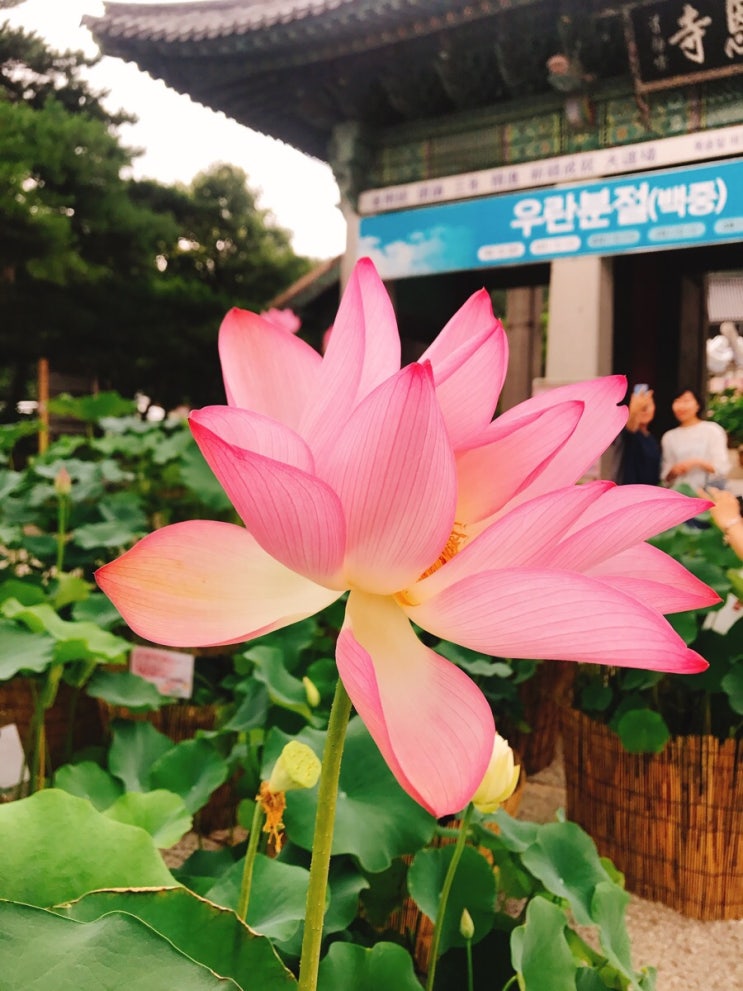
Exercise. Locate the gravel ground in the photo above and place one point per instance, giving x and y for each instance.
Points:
(689, 955)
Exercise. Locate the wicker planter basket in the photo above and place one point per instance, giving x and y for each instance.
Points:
(410, 922)
(63, 735)
(671, 822)
(179, 721)
(542, 696)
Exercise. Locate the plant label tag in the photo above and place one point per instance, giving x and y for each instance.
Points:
(169, 670)
(12, 759)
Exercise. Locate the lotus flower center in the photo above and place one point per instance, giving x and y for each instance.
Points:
(450, 548)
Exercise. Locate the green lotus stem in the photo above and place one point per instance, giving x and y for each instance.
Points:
(327, 796)
(510, 982)
(247, 880)
(444, 896)
(62, 518)
(470, 971)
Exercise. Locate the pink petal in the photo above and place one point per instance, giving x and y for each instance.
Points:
(254, 432)
(264, 368)
(517, 539)
(363, 350)
(554, 614)
(516, 452)
(656, 579)
(624, 516)
(201, 583)
(599, 425)
(393, 469)
(469, 360)
(431, 723)
(293, 515)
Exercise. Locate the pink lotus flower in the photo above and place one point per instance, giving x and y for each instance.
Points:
(352, 474)
(285, 319)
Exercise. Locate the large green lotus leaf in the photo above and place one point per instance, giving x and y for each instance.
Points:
(193, 769)
(643, 731)
(160, 813)
(68, 589)
(540, 951)
(608, 909)
(124, 688)
(98, 609)
(345, 884)
(376, 820)
(41, 951)
(135, 746)
(27, 592)
(92, 640)
(211, 935)
(565, 859)
(89, 780)
(200, 479)
(473, 889)
(283, 688)
(56, 847)
(22, 650)
(384, 966)
(732, 685)
(109, 533)
(277, 899)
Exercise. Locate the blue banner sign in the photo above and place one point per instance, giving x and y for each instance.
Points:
(653, 211)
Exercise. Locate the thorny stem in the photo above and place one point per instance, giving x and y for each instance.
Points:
(327, 796)
(444, 896)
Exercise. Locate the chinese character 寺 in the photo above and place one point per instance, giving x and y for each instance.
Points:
(690, 37)
(734, 44)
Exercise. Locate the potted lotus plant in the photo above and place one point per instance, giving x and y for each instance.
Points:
(652, 760)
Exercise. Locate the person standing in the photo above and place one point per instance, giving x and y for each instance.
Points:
(639, 450)
(695, 452)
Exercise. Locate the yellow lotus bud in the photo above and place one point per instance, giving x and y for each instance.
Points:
(500, 778)
(297, 767)
(310, 690)
(466, 925)
(63, 482)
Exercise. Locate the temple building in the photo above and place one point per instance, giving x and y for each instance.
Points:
(582, 159)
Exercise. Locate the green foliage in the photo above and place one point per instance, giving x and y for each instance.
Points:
(125, 281)
(726, 408)
(57, 847)
(647, 708)
(201, 929)
(118, 952)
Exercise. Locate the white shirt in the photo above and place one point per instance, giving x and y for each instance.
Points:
(705, 440)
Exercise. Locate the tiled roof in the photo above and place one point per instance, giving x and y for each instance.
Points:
(296, 69)
(247, 20)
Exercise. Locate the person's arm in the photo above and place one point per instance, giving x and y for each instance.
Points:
(718, 452)
(638, 404)
(726, 515)
(667, 459)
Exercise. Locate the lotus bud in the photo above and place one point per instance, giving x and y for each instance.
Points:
(63, 482)
(500, 778)
(466, 925)
(310, 690)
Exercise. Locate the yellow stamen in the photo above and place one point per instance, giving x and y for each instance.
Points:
(450, 549)
(273, 804)
(405, 597)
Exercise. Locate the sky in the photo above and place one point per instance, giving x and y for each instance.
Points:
(180, 137)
